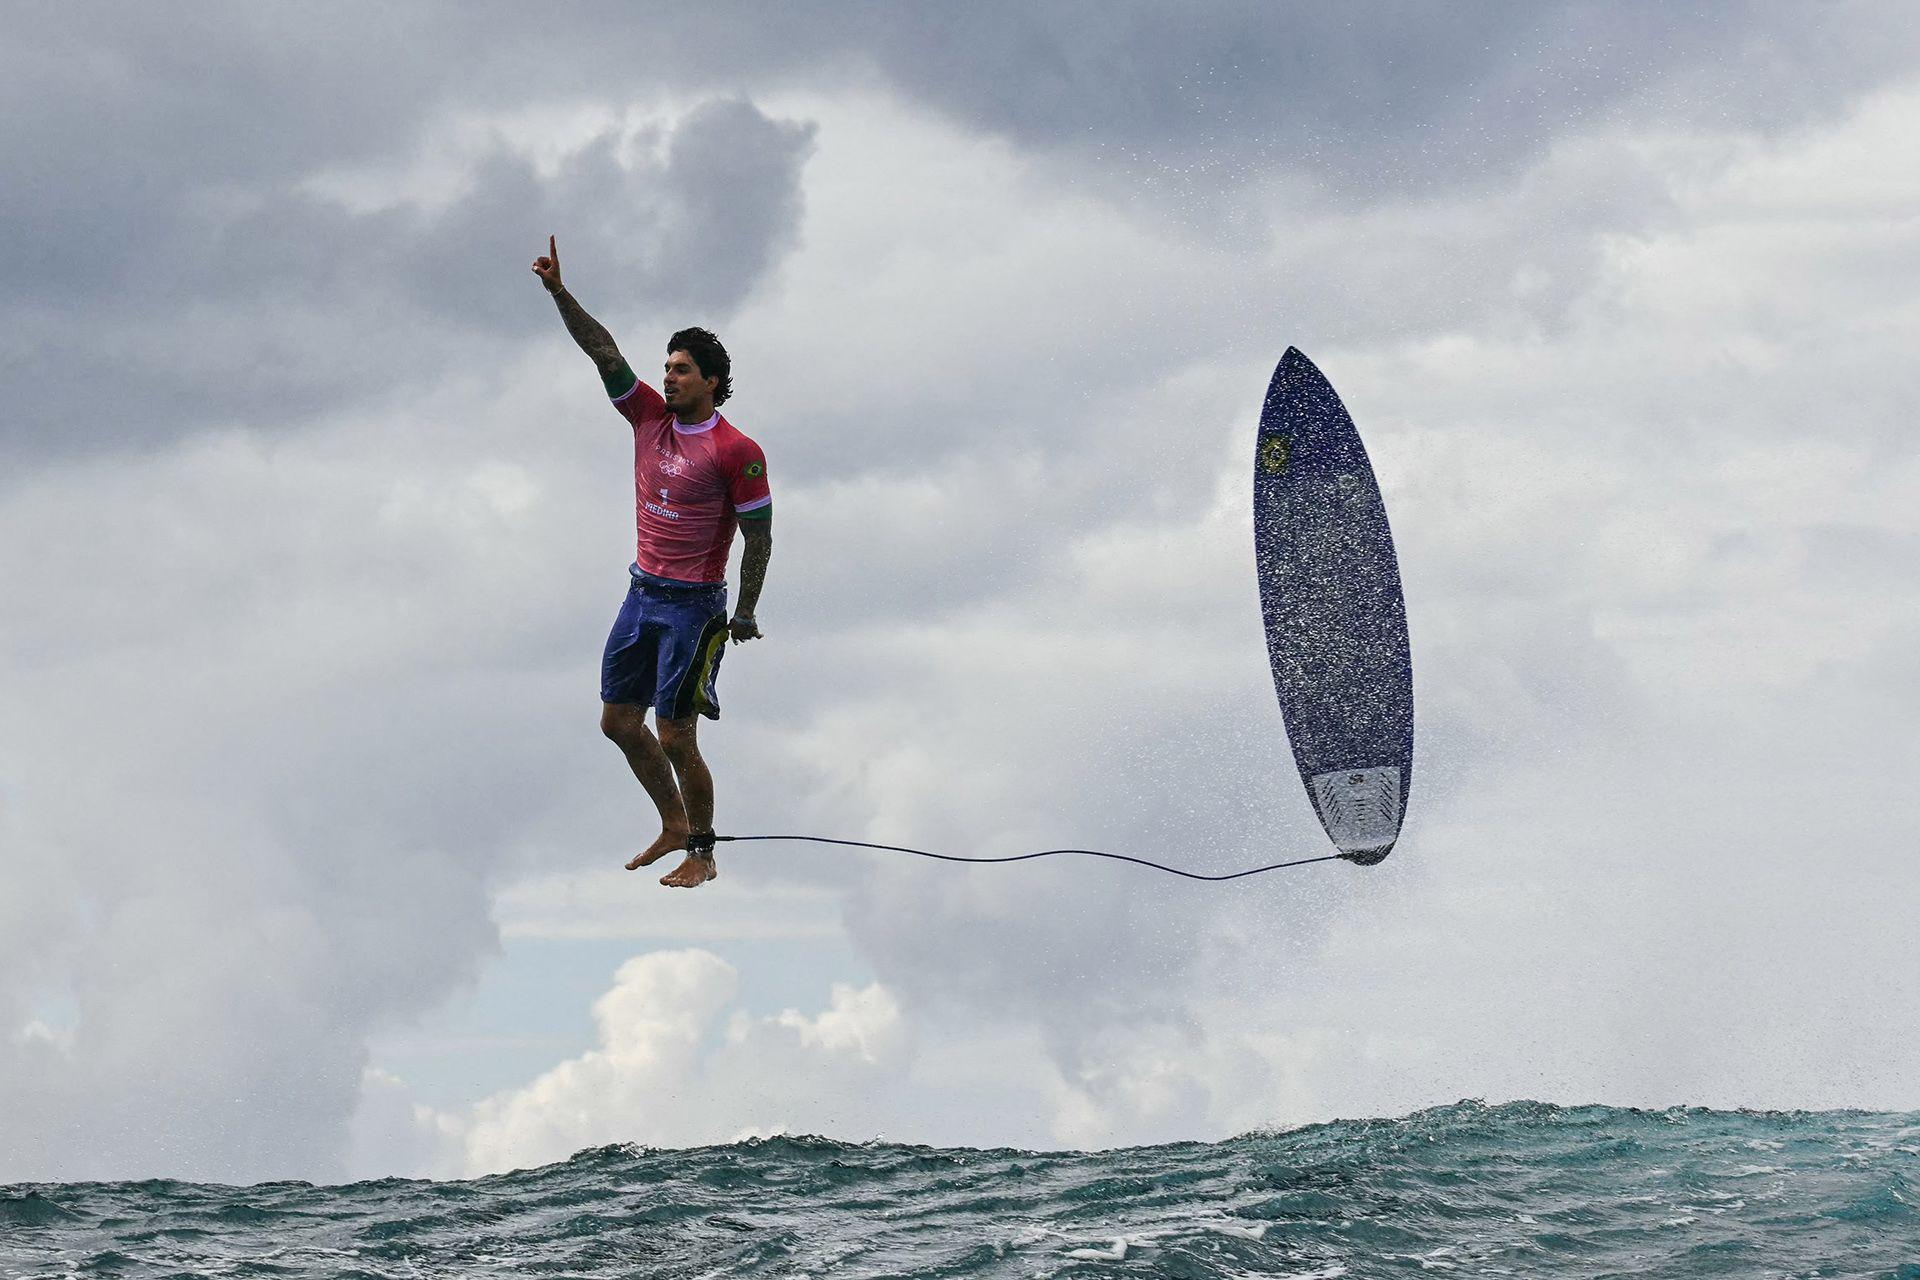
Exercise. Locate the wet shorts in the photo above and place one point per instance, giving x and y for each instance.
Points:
(665, 647)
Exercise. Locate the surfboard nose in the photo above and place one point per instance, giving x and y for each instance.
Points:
(1294, 366)
(1298, 382)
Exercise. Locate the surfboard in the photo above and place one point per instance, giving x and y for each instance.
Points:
(1336, 618)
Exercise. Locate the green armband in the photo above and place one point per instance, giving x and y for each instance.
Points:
(620, 381)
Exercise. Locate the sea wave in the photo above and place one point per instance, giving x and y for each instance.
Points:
(1520, 1189)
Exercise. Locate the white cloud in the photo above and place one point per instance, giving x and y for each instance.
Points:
(1654, 621)
(671, 1068)
(603, 904)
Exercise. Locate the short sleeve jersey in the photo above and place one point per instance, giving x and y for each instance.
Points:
(691, 484)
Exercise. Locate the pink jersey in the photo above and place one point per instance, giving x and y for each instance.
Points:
(690, 485)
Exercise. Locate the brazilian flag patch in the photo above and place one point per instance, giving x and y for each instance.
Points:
(756, 469)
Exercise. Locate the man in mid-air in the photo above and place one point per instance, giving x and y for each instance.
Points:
(695, 480)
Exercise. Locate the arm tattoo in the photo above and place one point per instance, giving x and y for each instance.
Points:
(753, 562)
(588, 332)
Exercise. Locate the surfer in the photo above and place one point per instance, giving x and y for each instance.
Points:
(696, 478)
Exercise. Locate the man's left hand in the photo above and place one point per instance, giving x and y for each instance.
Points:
(744, 628)
(548, 268)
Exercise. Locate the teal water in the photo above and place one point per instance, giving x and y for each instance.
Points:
(1521, 1189)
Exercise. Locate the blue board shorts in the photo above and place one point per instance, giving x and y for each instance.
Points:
(665, 647)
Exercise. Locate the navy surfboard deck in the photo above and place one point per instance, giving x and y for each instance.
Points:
(1335, 616)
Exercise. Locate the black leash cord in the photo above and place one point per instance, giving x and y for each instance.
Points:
(1046, 853)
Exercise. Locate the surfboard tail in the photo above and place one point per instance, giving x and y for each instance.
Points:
(1367, 857)
(1360, 809)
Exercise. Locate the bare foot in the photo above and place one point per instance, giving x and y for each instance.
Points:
(670, 839)
(692, 873)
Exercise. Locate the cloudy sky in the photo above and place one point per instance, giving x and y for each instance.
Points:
(312, 522)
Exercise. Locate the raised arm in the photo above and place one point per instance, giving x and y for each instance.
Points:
(588, 332)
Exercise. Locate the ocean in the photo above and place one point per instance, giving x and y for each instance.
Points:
(1519, 1189)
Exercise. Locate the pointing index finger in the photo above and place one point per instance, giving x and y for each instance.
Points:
(553, 252)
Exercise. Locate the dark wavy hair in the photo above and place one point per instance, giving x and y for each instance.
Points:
(708, 356)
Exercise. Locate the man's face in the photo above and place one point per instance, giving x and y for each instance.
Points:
(681, 385)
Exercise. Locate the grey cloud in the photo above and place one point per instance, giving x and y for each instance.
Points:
(735, 176)
(181, 278)
(1373, 100)
(217, 299)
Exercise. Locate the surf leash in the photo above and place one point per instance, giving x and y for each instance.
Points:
(1047, 853)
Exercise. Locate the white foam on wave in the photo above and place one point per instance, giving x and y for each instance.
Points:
(1116, 1252)
(1122, 1245)
(1243, 1230)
